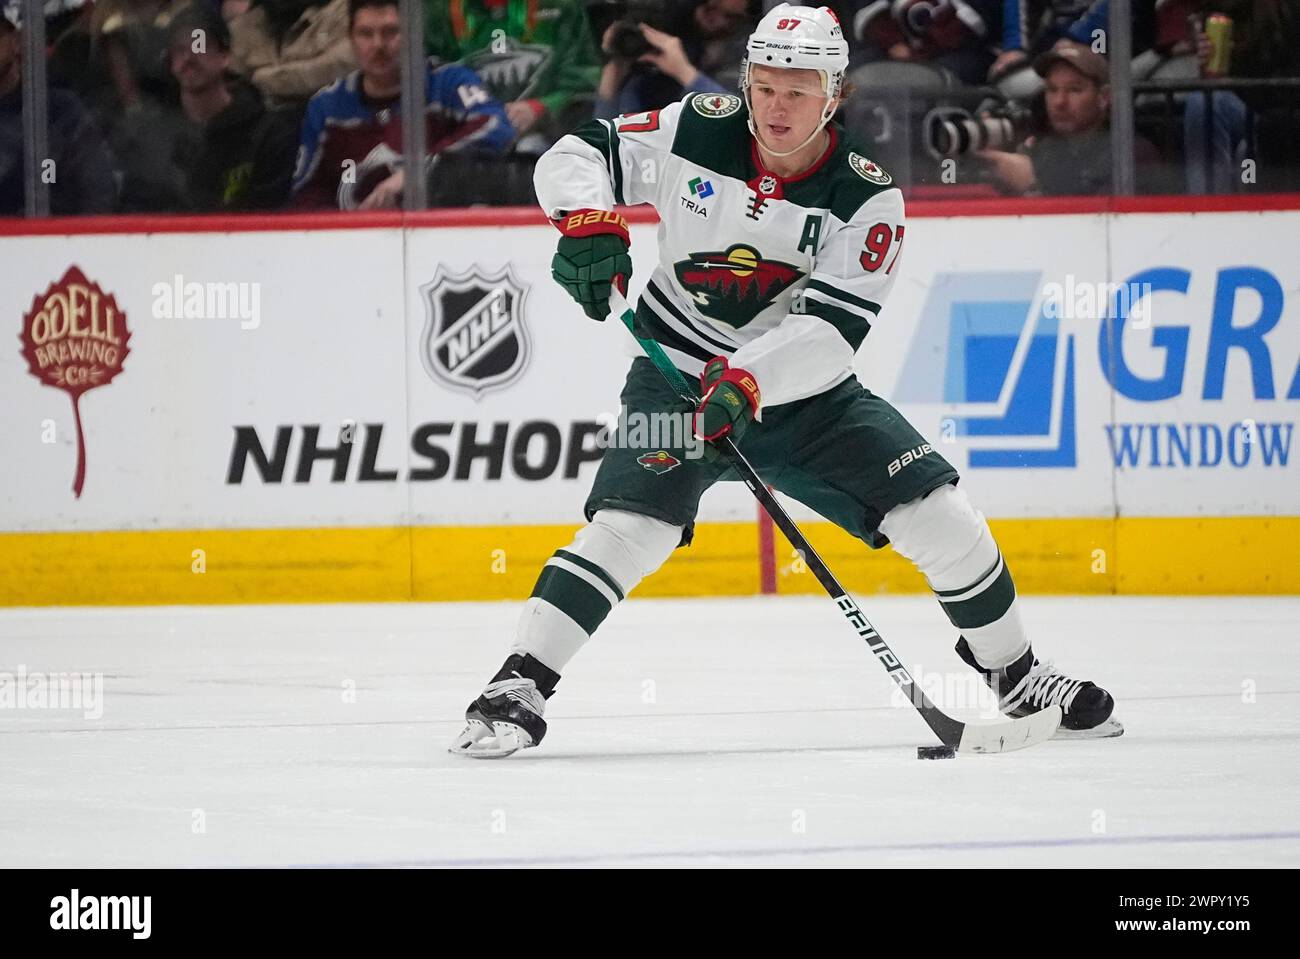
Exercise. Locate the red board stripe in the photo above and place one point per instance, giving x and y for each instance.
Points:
(766, 553)
(532, 216)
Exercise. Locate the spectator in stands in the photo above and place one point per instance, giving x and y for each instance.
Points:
(131, 38)
(134, 95)
(218, 147)
(292, 48)
(67, 38)
(959, 36)
(536, 56)
(1265, 45)
(234, 153)
(697, 47)
(1074, 156)
(1032, 27)
(350, 150)
(82, 174)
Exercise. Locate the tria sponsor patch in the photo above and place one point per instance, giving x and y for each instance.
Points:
(660, 462)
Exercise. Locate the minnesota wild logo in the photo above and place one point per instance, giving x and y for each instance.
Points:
(509, 68)
(736, 285)
(868, 170)
(715, 105)
(659, 463)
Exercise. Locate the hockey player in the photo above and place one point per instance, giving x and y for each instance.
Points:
(778, 245)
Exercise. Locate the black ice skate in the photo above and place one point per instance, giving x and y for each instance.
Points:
(508, 716)
(1026, 686)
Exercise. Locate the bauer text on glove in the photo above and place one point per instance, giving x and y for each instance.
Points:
(592, 258)
(730, 401)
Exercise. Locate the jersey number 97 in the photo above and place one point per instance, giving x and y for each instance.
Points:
(879, 239)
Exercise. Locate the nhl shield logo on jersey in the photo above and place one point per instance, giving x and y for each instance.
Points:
(715, 105)
(868, 170)
(660, 462)
(736, 285)
(474, 337)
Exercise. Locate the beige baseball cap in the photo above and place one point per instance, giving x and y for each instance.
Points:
(1076, 55)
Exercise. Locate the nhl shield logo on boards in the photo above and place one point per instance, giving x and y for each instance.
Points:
(474, 336)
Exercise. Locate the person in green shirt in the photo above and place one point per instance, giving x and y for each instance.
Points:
(536, 56)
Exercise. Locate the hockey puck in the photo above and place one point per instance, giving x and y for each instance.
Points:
(936, 752)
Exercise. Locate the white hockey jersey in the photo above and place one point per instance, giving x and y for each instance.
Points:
(784, 276)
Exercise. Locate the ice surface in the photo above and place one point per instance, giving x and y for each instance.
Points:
(705, 732)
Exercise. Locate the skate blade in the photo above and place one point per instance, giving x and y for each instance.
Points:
(481, 742)
(475, 731)
(1105, 730)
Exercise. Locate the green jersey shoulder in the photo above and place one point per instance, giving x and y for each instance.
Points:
(713, 132)
(851, 177)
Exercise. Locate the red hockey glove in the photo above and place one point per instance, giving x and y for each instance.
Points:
(730, 401)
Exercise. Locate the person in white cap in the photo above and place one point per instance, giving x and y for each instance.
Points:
(779, 242)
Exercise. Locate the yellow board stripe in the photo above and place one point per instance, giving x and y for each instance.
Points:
(1256, 555)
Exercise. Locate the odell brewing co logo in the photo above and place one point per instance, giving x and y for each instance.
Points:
(74, 338)
(474, 337)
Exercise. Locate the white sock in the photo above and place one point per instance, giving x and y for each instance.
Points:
(950, 543)
(582, 583)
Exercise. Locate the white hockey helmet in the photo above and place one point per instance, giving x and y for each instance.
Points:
(799, 38)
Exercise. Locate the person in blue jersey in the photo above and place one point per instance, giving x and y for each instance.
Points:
(350, 149)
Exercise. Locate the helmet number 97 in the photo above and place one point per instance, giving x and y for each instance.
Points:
(879, 239)
(787, 24)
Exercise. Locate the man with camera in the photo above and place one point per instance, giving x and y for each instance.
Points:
(651, 67)
(1073, 157)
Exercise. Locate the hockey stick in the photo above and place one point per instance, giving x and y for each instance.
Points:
(995, 737)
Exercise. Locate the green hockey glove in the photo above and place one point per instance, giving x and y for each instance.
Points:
(591, 256)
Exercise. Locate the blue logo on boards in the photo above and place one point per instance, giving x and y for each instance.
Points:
(1005, 370)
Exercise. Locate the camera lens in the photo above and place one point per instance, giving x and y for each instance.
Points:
(628, 42)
